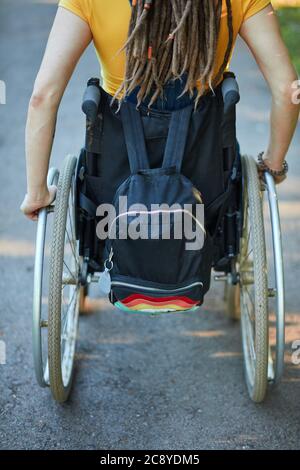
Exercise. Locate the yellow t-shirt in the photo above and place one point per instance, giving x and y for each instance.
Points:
(109, 20)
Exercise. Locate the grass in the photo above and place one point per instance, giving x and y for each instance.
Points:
(289, 19)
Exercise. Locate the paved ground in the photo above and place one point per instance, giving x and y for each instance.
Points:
(141, 383)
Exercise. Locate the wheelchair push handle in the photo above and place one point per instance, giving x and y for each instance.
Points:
(91, 99)
(230, 92)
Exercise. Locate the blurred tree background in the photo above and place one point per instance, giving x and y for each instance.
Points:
(288, 12)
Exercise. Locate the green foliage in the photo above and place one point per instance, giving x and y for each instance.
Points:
(289, 19)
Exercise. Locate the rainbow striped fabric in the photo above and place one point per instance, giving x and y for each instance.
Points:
(147, 304)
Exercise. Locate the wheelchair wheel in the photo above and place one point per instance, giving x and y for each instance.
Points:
(263, 364)
(254, 285)
(64, 286)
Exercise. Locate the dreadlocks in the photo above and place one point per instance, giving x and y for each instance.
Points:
(169, 38)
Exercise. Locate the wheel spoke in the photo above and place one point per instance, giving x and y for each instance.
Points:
(66, 331)
(68, 325)
(252, 333)
(65, 313)
(248, 254)
(72, 275)
(249, 295)
(72, 247)
(246, 248)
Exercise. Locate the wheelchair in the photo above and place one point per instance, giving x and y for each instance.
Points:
(253, 281)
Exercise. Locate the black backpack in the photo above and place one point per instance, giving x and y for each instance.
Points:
(151, 263)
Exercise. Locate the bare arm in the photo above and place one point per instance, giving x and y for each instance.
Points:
(69, 37)
(261, 33)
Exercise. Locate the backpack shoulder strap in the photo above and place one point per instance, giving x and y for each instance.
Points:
(134, 137)
(177, 137)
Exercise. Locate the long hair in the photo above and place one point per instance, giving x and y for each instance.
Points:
(169, 39)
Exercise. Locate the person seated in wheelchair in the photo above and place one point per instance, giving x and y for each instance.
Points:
(162, 104)
(79, 22)
(160, 131)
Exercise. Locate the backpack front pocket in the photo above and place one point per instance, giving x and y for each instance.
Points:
(160, 252)
(134, 295)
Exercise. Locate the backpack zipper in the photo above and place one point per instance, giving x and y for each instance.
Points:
(159, 211)
(155, 289)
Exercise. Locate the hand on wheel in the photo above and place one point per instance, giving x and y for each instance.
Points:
(31, 206)
(277, 179)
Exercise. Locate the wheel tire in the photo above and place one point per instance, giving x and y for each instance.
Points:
(59, 389)
(256, 370)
